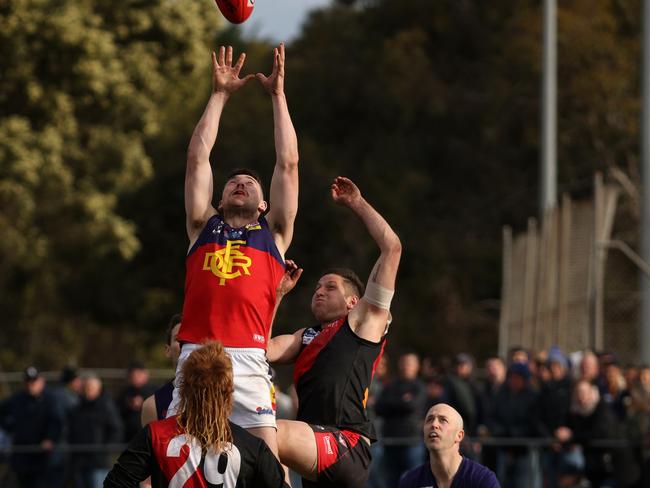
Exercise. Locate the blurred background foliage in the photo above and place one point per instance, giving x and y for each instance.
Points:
(432, 107)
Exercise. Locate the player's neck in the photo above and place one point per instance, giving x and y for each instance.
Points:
(323, 323)
(444, 466)
(240, 217)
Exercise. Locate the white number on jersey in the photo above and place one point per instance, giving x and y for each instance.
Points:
(219, 469)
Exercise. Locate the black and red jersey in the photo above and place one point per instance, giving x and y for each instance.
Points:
(162, 451)
(332, 374)
(230, 285)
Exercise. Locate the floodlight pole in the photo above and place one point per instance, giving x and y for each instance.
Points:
(644, 322)
(548, 164)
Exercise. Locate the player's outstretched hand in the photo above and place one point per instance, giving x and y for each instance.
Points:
(345, 192)
(291, 276)
(274, 83)
(225, 76)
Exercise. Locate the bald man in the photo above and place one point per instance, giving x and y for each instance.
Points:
(443, 433)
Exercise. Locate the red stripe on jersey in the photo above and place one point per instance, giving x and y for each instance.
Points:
(174, 462)
(162, 432)
(374, 365)
(308, 355)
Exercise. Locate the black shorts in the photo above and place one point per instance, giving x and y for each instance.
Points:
(343, 459)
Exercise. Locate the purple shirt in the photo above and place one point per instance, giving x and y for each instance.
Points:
(469, 475)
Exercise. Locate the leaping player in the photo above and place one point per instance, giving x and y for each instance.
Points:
(236, 254)
(335, 360)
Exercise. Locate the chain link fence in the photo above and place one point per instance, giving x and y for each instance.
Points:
(566, 283)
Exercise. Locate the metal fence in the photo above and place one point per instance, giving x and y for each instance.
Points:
(534, 446)
(567, 283)
(113, 379)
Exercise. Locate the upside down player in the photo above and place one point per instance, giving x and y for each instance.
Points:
(329, 443)
(236, 255)
(200, 447)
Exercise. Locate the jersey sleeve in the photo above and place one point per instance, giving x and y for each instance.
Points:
(269, 473)
(134, 464)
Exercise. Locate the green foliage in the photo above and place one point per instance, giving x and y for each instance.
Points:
(431, 107)
(86, 86)
(434, 108)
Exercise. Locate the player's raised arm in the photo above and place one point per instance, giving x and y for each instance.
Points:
(369, 317)
(198, 173)
(284, 348)
(284, 184)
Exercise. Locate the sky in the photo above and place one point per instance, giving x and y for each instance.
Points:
(279, 20)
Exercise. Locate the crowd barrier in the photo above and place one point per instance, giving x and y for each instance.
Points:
(535, 447)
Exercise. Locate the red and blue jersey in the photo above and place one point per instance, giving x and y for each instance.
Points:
(231, 280)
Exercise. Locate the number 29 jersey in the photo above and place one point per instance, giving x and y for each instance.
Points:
(230, 285)
(161, 451)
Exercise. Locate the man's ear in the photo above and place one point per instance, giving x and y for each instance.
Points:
(460, 436)
(261, 208)
(220, 208)
(168, 351)
(352, 301)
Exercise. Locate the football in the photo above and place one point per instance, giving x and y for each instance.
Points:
(236, 11)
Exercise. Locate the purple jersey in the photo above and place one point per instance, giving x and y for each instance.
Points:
(469, 475)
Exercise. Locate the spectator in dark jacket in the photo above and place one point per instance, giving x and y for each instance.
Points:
(67, 396)
(95, 421)
(131, 398)
(31, 417)
(554, 403)
(495, 377)
(401, 405)
(462, 391)
(515, 414)
(68, 391)
(614, 391)
(495, 370)
(590, 418)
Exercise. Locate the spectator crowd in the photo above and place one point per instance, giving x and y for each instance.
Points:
(537, 420)
(545, 419)
(78, 414)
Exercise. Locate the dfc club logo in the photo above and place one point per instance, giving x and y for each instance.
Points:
(227, 263)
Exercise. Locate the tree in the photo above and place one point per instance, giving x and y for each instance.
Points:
(85, 86)
(434, 108)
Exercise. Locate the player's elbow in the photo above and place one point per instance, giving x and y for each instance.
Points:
(288, 160)
(197, 155)
(272, 353)
(194, 159)
(393, 246)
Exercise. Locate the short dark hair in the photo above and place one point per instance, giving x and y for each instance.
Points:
(69, 373)
(135, 364)
(173, 322)
(248, 172)
(350, 278)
